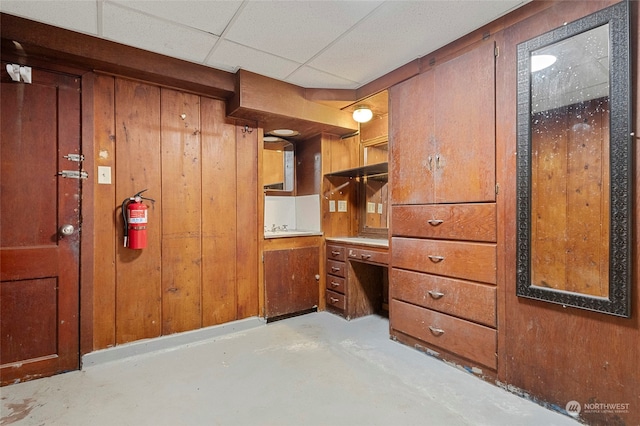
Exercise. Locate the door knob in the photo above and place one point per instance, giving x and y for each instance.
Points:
(66, 230)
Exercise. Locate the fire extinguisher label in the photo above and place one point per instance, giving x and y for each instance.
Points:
(137, 216)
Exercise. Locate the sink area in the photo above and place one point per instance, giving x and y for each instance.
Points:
(286, 217)
(285, 233)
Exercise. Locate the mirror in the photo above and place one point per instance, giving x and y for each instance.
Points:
(278, 159)
(574, 172)
(374, 199)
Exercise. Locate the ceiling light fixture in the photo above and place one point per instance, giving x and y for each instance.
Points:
(540, 62)
(284, 132)
(362, 114)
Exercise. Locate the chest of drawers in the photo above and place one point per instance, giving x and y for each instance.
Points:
(357, 279)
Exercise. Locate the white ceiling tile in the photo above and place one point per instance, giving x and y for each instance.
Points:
(401, 31)
(312, 78)
(205, 15)
(296, 30)
(229, 56)
(76, 15)
(140, 30)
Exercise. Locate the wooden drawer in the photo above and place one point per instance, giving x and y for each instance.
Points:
(336, 268)
(365, 255)
(336, 300)
(470, 222)
(336, 284)
(335, 252)
(464, 299)
(463, 338)
(472, 261)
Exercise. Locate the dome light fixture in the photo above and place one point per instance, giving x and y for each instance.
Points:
(362, 114)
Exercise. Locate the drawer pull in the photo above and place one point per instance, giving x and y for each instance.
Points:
(335, 268)
(436, 259)
(436, 331)
(335, 253)
(335, 284)
(435, 222)
(333, 300)
(435, 294)
(366, 256)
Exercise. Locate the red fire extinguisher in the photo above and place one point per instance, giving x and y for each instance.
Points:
(134, 215)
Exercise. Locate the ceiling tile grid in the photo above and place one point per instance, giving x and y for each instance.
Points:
(340, 44)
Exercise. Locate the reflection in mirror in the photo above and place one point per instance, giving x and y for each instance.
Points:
(375, 211)
(278, 164)
(376, 153)
(574, 164)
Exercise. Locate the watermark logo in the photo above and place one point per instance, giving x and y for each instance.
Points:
(573, 408)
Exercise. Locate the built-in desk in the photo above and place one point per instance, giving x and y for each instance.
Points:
(357, 276)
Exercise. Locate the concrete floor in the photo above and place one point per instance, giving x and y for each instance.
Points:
(316, 369)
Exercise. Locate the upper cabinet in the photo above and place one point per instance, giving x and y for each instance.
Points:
(442, 132)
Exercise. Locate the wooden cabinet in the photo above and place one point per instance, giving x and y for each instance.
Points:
(357, 279)
(443, 131)
(443, 274)
(291, 281)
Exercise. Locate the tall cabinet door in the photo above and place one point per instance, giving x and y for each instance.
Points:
(412, 141)
(464, 99)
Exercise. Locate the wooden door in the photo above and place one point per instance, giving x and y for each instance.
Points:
(411, 142)
(464, 161)
(39, 268)
(291, 283)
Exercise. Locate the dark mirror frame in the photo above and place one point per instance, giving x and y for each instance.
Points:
(621, 177)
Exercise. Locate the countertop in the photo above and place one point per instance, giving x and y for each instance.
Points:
(361, 241)
(291, 233)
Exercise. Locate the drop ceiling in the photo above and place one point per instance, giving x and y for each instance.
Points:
(334, 44)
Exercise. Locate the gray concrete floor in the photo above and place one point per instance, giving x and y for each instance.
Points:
(316, 369)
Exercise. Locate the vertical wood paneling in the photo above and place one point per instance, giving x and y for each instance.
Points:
(247, 220)
(181, 211)
(138, 272)
(219, 293)
(104, 235)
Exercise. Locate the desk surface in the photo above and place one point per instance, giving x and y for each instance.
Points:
(361, 241)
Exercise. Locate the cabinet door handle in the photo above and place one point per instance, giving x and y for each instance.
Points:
(335, 253)
(437, 161)
(435, 294)
(335, 269)
(335, 284)
(430, 161)
(436, 259)
(366, 256)
(436, 331)
(333, 300)
(435, 222)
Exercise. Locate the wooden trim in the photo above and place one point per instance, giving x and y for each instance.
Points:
(87, 238)
(27, 39)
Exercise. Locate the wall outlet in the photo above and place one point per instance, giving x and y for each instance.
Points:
(104, 175)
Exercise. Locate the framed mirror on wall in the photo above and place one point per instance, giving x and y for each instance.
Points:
(574, 166)
(278, 159)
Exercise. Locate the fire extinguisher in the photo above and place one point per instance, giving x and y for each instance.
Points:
(134, 215)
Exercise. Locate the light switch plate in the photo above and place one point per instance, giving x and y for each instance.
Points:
(342, 206)
(332, 206)
(104, 175)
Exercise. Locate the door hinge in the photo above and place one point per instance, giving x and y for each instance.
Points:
(73, 174)
(497, 188)
(74, 157)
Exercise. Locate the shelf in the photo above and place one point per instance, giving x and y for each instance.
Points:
(370, 170)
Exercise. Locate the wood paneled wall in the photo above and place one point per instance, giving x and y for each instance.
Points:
(550, 353)
(200, 267)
